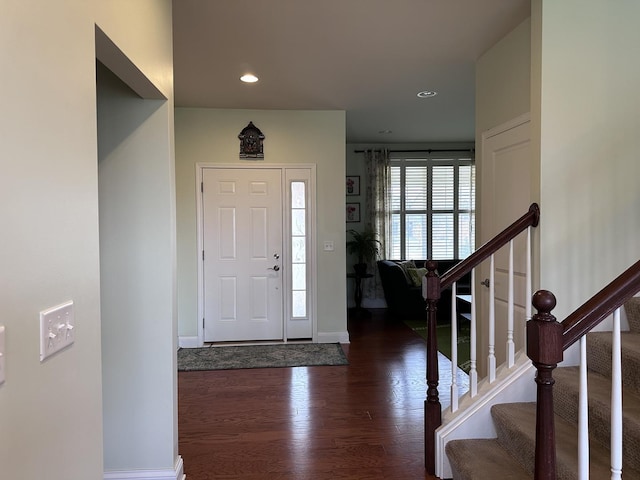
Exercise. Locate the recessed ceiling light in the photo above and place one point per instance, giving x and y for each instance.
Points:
(249, 78)
(427, 94)
(385, 132)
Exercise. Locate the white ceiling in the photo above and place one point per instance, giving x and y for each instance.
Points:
(367, 57)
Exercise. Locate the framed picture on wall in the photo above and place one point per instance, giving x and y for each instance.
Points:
(353, 212)
(353, 185)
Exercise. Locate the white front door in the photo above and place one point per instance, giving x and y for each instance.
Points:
(506, 196)
(243, 246)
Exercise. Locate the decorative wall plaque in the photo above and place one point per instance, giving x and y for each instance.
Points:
(251, 142)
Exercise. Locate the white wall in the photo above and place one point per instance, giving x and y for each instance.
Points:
(143, 31)
(51, 412)
(589, 127)
(503, 80)
(49, 246)
(137, 241)
(314, 137)
(137, 290)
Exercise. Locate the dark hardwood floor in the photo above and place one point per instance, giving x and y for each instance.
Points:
(362, 421)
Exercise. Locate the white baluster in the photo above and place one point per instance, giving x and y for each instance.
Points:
(492, 324)
(616, 400)
(511, 348)
(528, 279)
(454, 350)
(473, 372)
(583, 415)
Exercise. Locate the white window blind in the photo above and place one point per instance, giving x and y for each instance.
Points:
(432, 208)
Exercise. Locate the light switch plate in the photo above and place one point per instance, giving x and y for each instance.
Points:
(56, 329)
(2, 354)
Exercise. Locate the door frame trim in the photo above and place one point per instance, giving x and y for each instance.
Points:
(200, 166)
(508, 125)
(480, 164)
(481, 219)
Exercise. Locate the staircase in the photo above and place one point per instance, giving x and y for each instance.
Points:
(510, 456)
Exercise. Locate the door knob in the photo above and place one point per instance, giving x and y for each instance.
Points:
(485, 282)
(274, 268)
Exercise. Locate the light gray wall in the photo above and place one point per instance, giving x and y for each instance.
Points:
(49, 246)
(137, 291)
(503, 76)
(51, 412)
(589, 129)
(137, 245)
(313, 137)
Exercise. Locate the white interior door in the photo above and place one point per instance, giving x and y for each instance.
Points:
(243, 246)
(505, 197)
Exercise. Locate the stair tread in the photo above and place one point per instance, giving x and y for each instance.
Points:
(566, 394)
(482, 459)
(629, 341)
(599, 391)
(632, 309)
(516, 424)
(599, 346)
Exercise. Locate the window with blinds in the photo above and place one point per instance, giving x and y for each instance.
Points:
(432, 203)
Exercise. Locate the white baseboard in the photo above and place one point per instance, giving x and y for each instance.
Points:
(176, 473)
(189, 342)
(333, 337)
(323, 337)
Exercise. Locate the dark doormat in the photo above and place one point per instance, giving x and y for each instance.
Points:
(261, 356)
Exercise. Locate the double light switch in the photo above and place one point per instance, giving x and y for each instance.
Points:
(56, 329)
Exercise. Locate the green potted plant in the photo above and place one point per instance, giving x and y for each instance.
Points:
(366, 247)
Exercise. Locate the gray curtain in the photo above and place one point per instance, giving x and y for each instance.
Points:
(377, 215)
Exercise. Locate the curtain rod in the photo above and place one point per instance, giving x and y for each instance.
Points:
(429, 150)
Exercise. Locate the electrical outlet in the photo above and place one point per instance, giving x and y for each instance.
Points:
(56, 329)
(2, 350)
(328, 246)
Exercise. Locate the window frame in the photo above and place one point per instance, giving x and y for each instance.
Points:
(430, 160)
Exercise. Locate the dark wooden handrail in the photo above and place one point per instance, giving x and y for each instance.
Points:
(601, 305)
(433, 286)
(529, 219)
